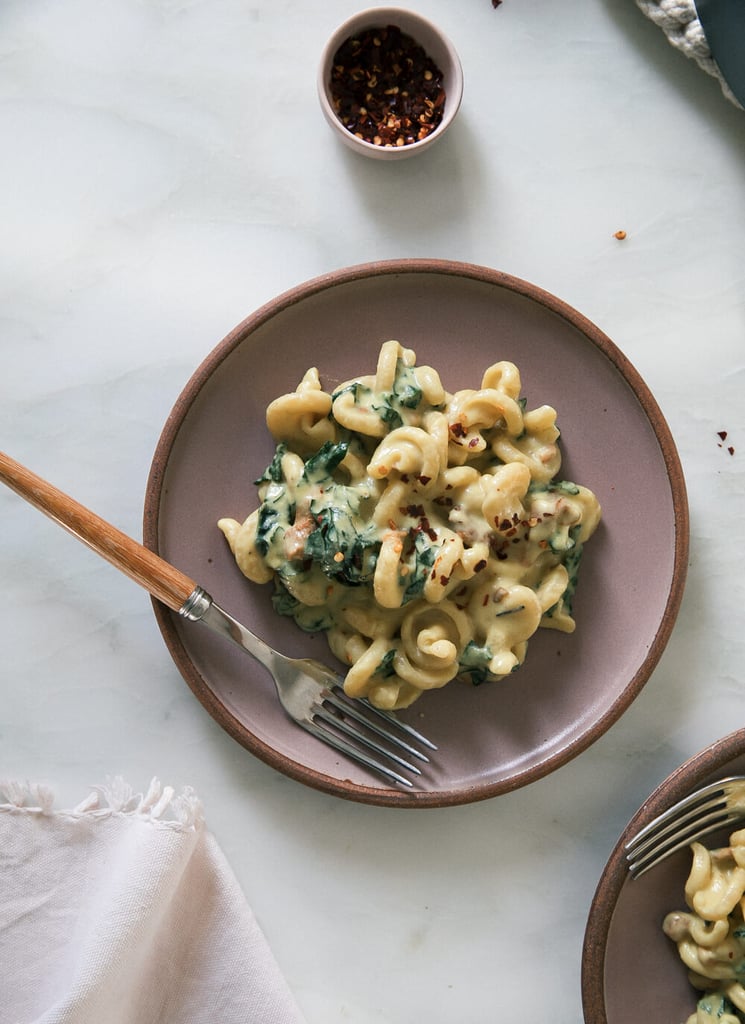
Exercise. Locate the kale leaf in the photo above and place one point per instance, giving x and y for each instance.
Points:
(341, 551)
(273, 472)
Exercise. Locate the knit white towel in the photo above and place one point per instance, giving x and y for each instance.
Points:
(125, 911)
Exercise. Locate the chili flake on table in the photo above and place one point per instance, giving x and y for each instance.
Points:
(385, 89)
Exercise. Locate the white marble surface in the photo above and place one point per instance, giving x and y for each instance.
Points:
(164, 170)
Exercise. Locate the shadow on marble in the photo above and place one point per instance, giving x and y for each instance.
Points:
(698, 89)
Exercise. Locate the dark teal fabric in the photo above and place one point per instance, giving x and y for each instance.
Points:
(723, 22)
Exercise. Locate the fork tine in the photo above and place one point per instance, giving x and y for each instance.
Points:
(339, 700)
(392, 719)
(356, 734)
(691, 818)
(333, 739)
(676, 842)
(336, 718)
(688, 803)
(669, 826)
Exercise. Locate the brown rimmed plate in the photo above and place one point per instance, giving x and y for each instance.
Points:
(631, 971)
(458, 318)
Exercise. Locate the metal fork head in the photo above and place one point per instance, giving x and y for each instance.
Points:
(376, 739)
(710, 808)
(311, 694)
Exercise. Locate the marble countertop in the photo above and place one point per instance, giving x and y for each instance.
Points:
(165, 170)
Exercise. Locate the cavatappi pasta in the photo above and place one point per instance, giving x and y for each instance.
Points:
(425, 532)
(710, 936)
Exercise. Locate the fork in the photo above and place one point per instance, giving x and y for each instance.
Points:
(706, 810)
(310, 692)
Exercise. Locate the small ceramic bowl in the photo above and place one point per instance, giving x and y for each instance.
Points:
(631, 971)
(435, 45)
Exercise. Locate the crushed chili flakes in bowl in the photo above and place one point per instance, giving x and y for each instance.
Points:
(385, 88)
(390, 82)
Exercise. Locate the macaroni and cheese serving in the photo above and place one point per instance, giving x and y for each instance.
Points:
(425, 532)
(710, 936)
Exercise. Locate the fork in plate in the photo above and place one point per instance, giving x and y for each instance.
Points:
(707, 809)
(309, 692)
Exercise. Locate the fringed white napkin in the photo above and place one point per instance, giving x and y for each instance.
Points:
(125, 911)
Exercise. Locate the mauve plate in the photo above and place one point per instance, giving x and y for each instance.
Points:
(631, 971)
(458, 318)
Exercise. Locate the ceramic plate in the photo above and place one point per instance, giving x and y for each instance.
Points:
(631, 971)
(458, 318)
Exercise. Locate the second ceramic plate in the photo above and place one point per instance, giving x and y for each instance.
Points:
(458, 318)
(624, 938)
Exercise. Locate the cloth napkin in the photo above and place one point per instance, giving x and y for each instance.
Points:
(125, 911)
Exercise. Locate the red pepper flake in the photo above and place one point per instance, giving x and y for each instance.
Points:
(731, 450)
(473, 442)
(433, 575)
(480, 566)
(392, 525)
(385, 89)
(424, 480)
(496, 3)
(485, 600)
(722, 434)
(457, 429)
(620, 235)
(444, 580)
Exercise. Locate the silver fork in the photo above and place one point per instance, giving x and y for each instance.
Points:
(309, 692)
(706, 810)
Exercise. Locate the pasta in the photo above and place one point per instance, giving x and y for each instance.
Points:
(710, 936)
(425, 532)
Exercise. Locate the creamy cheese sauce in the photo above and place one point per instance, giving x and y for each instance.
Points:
(710, 935)
(425, 532)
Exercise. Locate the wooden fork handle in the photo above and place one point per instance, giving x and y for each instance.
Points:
(169, 585)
